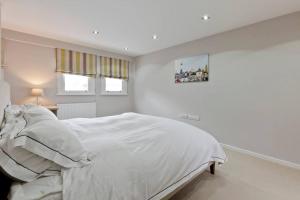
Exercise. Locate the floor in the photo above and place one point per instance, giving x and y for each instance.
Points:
(244, 178)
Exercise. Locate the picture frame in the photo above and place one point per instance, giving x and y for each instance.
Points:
(192, 69)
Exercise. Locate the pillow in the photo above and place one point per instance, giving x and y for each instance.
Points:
(17, 162)
(13, 111)
(52, 140)
(14, 121)
(34, 114)
(20, 164)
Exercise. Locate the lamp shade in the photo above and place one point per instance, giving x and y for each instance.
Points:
(37, 92)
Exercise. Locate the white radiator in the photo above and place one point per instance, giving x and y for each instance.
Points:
(76, 110)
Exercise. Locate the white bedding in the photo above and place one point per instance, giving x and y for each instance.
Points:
(137, 157)
(46, 188)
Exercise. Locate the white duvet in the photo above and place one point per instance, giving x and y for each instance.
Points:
(137, 157)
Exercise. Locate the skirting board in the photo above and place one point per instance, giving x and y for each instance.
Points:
(264, 157)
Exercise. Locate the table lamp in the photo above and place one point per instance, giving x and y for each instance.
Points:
(37, 92)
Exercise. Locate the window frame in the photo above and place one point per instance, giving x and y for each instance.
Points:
(62, 92)
(124, 91)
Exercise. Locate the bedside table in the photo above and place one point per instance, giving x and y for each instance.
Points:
(53, 109)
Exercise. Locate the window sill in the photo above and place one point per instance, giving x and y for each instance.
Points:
(113, 94)
(76, 94)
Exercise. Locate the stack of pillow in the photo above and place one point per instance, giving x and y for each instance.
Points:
(34, 143)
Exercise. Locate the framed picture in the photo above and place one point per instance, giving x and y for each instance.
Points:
(192, 69)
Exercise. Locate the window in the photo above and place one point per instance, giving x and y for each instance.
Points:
(69, 84)
(113, 86)
(76, 83)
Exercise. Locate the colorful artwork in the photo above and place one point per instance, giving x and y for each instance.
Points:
(192, 69)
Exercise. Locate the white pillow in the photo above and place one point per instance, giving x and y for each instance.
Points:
(19, 116)
(13, 111)
(16, 161)
(21, 164)
(34, 114)
(52, 140)
(14, 121)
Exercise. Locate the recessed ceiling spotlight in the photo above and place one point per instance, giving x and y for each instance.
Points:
(126, 48)
(154, 37)
(205, 17)
(96, 32)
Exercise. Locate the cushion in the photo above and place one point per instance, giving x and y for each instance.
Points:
(21, 164)
(34, 114)
(17, 162)
(52, 140)
(14, 121)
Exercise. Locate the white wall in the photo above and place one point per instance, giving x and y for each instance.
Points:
(252, 99)
(31, 63)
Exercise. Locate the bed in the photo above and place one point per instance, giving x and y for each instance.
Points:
(128, 156)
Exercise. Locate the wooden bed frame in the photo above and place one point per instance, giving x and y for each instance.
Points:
(212, 168)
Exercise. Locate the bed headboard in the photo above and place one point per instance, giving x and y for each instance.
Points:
(4, 98)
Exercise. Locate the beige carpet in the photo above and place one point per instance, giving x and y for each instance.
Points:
(244, 178)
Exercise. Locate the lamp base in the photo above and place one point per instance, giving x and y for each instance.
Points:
(37, 101)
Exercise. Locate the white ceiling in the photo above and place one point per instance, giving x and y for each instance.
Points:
(131, 23)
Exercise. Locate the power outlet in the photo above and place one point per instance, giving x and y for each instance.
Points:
(183, 116)
(189, 117)
(194, 117)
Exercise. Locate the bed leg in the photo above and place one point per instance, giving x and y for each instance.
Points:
(212, 168)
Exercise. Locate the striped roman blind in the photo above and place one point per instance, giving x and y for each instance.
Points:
(73, 62)
(114, 68)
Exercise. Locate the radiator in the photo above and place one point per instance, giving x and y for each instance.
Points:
(76, 110)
